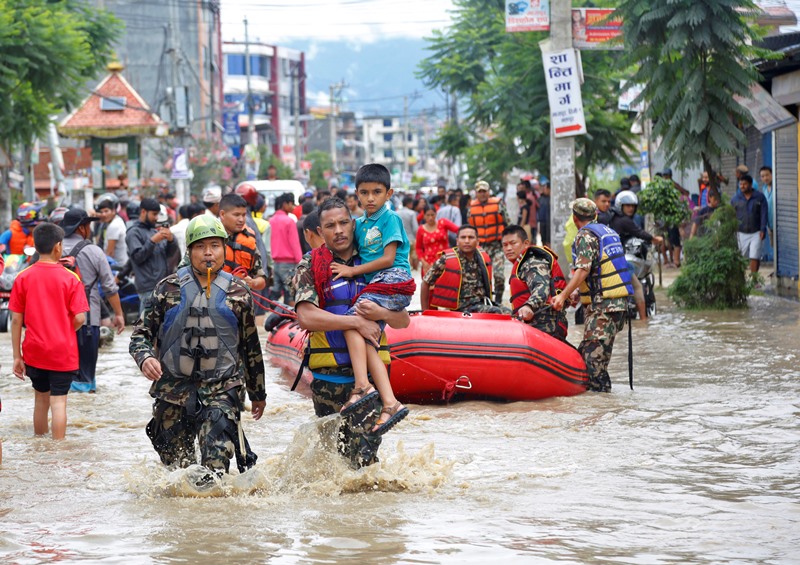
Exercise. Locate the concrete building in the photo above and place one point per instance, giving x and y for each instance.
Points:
(388, 142)
(277, 94)
(173, 45)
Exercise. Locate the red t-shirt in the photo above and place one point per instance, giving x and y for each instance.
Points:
(49, 296)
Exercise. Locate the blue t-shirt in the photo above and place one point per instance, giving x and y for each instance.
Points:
(376, 232)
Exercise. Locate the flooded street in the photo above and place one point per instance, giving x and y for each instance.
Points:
(699, 464)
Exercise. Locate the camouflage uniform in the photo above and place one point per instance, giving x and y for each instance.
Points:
(495, 250)
(186, 408)
(535, 273)
(354, 440)
(605, 317)
(472, 296)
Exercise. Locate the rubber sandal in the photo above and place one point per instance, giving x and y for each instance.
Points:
(362, 397)
(395, 416)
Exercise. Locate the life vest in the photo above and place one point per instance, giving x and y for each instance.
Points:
(520, 293)
(487, 219)
(240, 251)
(612, 268)
(200, 336)
(446, 292)
(19, 239)
(329, 349)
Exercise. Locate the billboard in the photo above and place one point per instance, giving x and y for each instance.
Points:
(596, 28)
(527, 15)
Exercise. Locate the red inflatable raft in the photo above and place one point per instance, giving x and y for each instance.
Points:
(443, 356)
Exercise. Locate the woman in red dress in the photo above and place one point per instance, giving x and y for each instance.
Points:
(432, 238)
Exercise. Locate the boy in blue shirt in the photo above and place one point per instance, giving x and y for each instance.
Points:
(383, 247)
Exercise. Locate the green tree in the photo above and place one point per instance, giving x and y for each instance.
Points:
(211, 163)
(713, 274)
(320, 164)
(499, 79)
(49, 50)
(268, 158)
(692, 59)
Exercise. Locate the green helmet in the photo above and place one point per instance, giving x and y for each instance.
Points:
(202, 227)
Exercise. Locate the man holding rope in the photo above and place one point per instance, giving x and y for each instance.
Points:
(197, 341)
(322, 304)
(603, 282)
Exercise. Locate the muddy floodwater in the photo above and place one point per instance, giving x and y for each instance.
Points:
(700, 463)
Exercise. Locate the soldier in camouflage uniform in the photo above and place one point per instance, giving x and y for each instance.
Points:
(490, 216)
(189, 342)
(605, 317)
(533, 282)
(475, 290)
(333, 380)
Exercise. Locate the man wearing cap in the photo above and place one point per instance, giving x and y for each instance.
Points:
(94, 268)
(211, 197)
(197, 342)
(149, 249)
(601, 275)
(488, 215)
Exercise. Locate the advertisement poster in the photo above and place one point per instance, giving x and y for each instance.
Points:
(527, 15)
(596, 28)
(564, 93)
(180, 164)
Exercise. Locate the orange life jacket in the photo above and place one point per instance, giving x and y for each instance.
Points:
(240, 251)
(19, 239)
(487, 219)
(446, 292)
(520, 293)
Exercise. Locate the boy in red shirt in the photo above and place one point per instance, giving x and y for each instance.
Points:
(52, 301)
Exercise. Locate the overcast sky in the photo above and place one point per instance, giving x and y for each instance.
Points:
(358, 21)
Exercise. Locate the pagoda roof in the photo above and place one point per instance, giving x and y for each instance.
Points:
(113, 109)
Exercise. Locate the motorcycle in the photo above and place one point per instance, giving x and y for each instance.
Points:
(14, 264)
(636, 254)
(128, 297)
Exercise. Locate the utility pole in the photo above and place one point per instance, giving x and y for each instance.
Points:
(296, 94)
(181, 187)
(405, 134)
(212, 12)
(335, 89)
(562, 149)
(251, 127)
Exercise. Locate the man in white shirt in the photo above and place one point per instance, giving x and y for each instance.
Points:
(186, 213)
(112, 231)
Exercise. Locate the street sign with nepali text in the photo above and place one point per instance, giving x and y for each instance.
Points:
(561, 74)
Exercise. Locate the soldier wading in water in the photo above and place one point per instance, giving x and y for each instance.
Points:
(197, 342)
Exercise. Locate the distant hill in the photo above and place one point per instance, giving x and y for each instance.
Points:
(377, 74)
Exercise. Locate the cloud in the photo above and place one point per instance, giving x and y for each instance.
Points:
(360, 22)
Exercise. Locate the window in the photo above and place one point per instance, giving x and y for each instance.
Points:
(235, 65)
(387, 153)
(259, 65)
(112, 103)
(388, 137)
(387, 123)
(410, 152)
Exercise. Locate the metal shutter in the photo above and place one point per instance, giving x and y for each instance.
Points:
(786, 188)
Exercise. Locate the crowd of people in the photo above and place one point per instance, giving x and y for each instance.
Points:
(205, 271)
